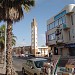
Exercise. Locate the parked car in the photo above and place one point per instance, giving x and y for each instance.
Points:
(33, 66)
(29, 55)
(22, 55)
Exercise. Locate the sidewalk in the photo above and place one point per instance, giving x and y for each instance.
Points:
(3, 70)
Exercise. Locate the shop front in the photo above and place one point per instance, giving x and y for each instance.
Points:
(71, 48)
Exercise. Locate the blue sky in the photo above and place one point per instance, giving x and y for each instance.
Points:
(43, 10)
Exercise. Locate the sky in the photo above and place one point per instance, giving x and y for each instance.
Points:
(42, 11)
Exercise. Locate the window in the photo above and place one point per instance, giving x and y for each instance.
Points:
(56, 23)
(60, 15)
(64, 19)
(47, 27)
(30, 63)
(60, 21)
(72, 19)
(53, 25)
(50, 26)
(69, 35)
(40, 63)
(48, 37)
(51, 36)
(73, 31)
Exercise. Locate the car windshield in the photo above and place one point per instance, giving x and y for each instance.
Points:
(40, 63)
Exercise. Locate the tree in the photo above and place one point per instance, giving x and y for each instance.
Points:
(2, 40)
(2, 28)
(12, 11)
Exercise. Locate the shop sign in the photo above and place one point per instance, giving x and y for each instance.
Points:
(70, 45)
(60, 47)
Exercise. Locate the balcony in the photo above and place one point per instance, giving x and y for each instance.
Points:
(65, 26)
(59, 41)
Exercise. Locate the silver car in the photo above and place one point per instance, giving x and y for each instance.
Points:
(33, 66)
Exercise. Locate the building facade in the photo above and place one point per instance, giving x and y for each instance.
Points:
(34, 43)
(43, 52)
(60, 35)
(17, 51)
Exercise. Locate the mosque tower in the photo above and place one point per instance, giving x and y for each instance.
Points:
(34, 42)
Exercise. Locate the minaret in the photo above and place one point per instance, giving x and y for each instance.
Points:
(34, 45)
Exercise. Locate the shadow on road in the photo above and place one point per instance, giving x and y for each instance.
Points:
(2, 74)
(19, 72)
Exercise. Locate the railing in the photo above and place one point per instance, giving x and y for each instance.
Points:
(65, 26)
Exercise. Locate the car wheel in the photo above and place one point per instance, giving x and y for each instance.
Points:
(35, 74)
(23, 71)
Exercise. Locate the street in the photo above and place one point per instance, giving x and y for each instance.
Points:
(17, 64)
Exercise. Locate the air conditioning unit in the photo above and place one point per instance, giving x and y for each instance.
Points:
(58, 31)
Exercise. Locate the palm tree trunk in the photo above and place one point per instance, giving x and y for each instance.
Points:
(2, 56)
(9, 49)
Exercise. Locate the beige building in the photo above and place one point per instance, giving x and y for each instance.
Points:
(60, 35)
(43, 51)
(21, 50)
(34, 43)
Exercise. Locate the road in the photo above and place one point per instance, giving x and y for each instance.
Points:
(17, 64)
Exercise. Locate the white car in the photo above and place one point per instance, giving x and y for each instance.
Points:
(33, 66)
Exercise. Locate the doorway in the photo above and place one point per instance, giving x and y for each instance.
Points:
(55, 51)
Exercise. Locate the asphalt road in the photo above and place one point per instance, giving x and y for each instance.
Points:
(17, 64)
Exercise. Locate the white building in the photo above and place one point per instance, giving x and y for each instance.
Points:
(60, 35)
(37, 51)
(43, 51)
(34, 43)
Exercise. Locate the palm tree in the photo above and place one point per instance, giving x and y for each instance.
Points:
(2, 40)
(12, 11)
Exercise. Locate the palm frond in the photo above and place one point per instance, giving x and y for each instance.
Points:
(2, 40)
(20, 14)
(14, 36)
(13, 42)
(26, 8)
(28, 4)
(2, 28)
(14, 9)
